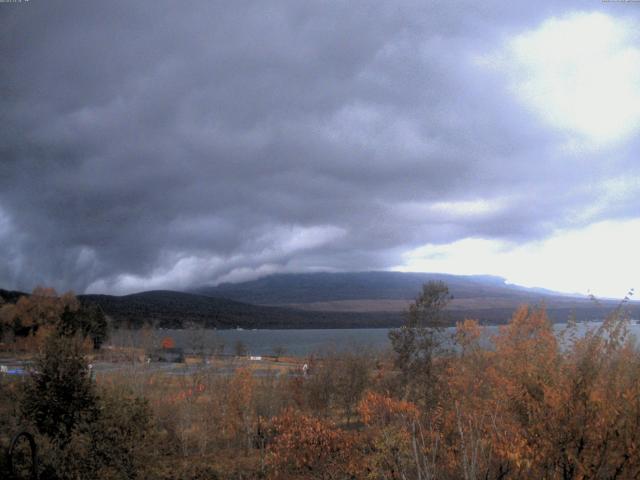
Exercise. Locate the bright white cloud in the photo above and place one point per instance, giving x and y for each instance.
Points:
(580, 73)
(463, 209)
(178, 276)
(468, 208)
(290, 149)
(306, 238)
(619, 190)
(272, 252)
(601, 258)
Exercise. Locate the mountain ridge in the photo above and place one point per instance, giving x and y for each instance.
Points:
(171, 309)
(302, 288)
(334, 300)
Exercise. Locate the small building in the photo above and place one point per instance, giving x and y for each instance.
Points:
(171, 355)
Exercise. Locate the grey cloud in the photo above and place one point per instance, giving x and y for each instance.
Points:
(166, 144)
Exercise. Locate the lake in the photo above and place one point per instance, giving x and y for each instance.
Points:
(294, 342)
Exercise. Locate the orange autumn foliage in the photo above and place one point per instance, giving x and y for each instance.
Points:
(32, 318)
(303, 446)
(381, 410)
(468, 334)
(535, 404)
(42, 307)
(239, 415)
(524, 401)
(534, 407)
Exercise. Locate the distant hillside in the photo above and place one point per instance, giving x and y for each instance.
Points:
(170, 309)
(333, 300)
(283, 289)
(487, 298)
(10, 296)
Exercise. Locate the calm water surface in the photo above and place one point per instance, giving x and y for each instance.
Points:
(295, 342)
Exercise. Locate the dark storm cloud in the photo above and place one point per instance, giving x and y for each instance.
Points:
(168, 144)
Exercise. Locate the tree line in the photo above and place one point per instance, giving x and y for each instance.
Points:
(33, 317)
(534, 403)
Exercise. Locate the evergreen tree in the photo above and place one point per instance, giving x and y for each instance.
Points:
(416, 342)
(83, 433)
(60, 393)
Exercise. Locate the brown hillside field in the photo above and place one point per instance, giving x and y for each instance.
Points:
(458, 304)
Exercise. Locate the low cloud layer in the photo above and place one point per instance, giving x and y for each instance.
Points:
(171, 144)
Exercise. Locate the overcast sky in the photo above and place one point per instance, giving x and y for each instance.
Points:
(171, 144)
